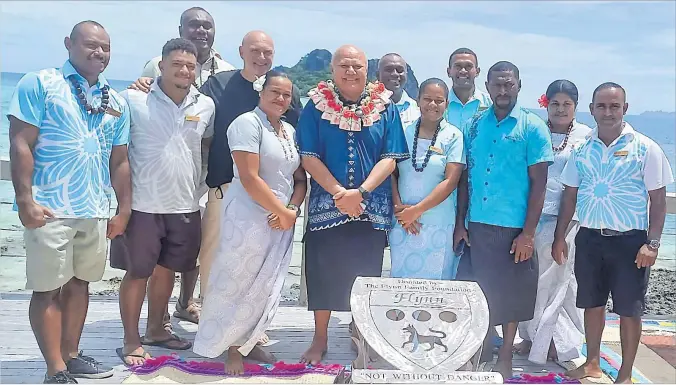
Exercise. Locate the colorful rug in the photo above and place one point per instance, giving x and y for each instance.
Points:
(173, 369)
(549, 378)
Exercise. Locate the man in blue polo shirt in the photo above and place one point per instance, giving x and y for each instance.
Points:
(464, 101)
(610, 179)
(509, 150)
(68, 149)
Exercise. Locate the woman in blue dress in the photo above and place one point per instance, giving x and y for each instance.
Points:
(421, 240)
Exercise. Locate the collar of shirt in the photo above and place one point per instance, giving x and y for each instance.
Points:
(627, 131)
(192, 96)
(515, 113)
(478, 95)
(405, 102)
(68, 70)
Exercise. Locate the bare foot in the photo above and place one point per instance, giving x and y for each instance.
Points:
(584, 371)
(234, 366)
(316, 352)
(522, 348)
(504, 368)
(262, 355)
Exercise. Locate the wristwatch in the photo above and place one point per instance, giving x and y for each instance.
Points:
(653, 244)
(364, 192)
(294, 207)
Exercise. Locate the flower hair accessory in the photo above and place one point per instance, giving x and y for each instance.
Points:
(258, 83)
(544, 102)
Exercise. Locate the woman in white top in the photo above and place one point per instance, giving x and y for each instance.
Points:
(557, 329)
(257, 224)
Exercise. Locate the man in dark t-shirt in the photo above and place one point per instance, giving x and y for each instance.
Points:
(234, 94)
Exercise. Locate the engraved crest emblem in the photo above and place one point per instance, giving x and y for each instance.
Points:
(421, 325)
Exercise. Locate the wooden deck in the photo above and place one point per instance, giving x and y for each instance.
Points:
(290, 334)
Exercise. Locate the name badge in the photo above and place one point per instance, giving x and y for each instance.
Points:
(436, 149)
(112, 112)
(191, 118)
(621, 153)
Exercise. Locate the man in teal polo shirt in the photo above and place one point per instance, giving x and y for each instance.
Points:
(68, 148)
(465, 99)
(611, 179)
(509, 150)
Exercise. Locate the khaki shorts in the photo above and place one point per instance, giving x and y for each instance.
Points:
(63, 249)
(211, 226)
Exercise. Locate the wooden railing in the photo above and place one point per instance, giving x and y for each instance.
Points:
(5, 174)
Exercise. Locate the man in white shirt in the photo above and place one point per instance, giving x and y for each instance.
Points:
(198, 26)
(393, 73)
(617, 182)
(171, 128)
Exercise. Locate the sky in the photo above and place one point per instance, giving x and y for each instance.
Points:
(587, 42)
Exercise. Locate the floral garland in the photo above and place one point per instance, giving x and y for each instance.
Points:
(354, 117)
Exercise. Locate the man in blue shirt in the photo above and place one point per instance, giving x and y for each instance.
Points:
(68, 149)
(350, 138)
(610, 179)
(465, 99)
(509, 150)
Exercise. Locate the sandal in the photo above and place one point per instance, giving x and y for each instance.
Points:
(190, 313)
(120, 353)
(168, 343)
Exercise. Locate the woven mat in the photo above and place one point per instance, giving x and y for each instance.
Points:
(174, 370)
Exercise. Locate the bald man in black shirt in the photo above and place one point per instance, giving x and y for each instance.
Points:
(234, 94)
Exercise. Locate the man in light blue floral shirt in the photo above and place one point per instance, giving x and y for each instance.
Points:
(68, 149)
(610, 179)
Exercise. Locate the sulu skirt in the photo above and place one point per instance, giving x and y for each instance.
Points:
(335, 257)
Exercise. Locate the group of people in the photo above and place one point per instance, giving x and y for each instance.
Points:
(547, 217)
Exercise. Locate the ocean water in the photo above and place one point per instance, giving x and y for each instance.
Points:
(664, 136)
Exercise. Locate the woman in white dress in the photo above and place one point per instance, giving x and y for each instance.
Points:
(259, 211)
(556, 331)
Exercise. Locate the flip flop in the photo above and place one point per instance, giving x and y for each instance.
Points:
(122, 356)
(166, 343)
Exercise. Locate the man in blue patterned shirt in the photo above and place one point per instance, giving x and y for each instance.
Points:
(350, 138)
(610, 179)
(68, 149)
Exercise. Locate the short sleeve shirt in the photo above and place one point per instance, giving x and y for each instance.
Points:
(498, 157)
(203, 71)
(459, 114)
(350, 157)
(71, 175)
(578, 135)
(415, 186)
(278, 156)
(408, 110)
(613, 181)
(165, 150)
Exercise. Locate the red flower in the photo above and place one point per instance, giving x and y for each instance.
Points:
(380, 88)
(328, 94)
(333, 105)
(544, 102)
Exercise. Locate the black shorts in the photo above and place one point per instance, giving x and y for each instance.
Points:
(607, 265)
(169, 240)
